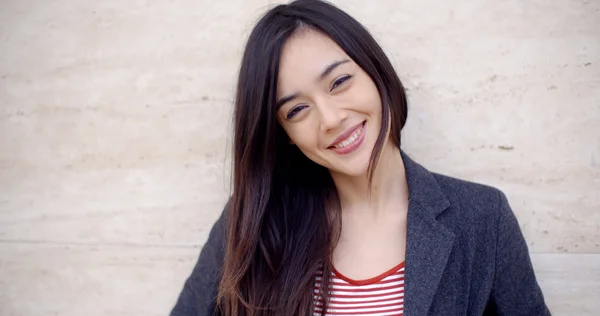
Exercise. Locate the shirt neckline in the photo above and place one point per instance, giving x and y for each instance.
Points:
(372, 280)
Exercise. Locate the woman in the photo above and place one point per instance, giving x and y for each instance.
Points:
(321, 188)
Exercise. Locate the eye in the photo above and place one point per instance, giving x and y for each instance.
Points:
(294, 111)
(339, 81)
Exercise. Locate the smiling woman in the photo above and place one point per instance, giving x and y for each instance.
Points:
(328, 216)
(328, 106)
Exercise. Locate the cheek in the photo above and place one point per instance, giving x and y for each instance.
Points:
(366, 97)
(374, 100)
(374, 106)
(310, 149)
(303, 136)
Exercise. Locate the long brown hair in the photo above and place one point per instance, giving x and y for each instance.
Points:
(283, 220)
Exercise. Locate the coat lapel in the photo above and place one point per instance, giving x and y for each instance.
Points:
(428, 243)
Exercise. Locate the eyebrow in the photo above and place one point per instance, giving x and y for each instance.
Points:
(331, 67)
(322, 76)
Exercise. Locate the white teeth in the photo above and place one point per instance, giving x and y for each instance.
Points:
(350, 138)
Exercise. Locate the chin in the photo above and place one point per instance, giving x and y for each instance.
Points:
(352, 170)
(356, 167)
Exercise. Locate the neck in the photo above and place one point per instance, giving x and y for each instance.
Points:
(389, 190)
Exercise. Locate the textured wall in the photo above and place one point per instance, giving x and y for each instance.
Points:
(114, 144)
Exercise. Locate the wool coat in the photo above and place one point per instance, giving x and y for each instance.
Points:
(465, 254)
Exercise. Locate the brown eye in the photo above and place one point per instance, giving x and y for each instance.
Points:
(294, 111)
(339, 81)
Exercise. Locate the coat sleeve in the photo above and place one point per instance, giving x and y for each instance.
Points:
(198, 296)
(515, 290)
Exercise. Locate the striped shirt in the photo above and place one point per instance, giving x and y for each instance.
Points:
(380, 295)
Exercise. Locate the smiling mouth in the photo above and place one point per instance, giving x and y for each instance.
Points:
(351, 139)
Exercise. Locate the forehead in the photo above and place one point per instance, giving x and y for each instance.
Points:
(304, 56)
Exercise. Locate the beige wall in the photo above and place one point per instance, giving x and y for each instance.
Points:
(114, 120)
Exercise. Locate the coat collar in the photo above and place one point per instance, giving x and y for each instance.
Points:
(428, 242)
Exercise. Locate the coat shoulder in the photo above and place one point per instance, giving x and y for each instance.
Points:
(465, 192)
(471, 202)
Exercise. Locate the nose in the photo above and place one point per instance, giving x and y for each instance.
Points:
(331, 115)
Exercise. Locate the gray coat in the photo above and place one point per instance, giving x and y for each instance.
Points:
(465, 254)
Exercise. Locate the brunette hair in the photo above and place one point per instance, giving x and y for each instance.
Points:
(283, 219)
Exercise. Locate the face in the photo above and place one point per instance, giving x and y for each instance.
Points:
(328, 106)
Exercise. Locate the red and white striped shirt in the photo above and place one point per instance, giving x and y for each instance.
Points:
(381, 295)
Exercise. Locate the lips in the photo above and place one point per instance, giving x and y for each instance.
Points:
(343, 136)
(349, 140)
